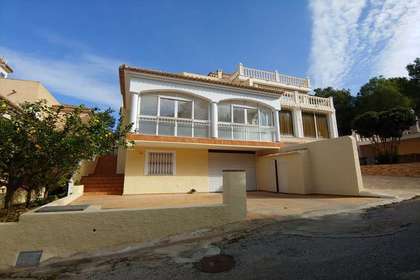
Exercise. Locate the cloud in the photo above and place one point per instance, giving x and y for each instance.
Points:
(355, 40)
(84, 76)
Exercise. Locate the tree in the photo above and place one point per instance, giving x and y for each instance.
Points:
(412, 90)
(381, 94)
(41, 147)
(385, 129)
(344, 107)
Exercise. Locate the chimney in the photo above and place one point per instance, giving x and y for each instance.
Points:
(5, 69)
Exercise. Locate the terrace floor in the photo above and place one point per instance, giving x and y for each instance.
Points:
(259, 204)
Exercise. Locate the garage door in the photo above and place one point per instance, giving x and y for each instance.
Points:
(218, 161)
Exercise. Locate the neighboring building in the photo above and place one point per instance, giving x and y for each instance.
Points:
(188, 128)
(19, 91)
(409, 148)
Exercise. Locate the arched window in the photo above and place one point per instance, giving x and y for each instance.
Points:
(245, 120)
(173, 114)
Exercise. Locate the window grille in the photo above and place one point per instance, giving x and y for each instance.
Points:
(160, 163)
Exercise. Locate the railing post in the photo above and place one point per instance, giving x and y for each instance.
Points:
(134, 99)
(277, 76)
(277, 125)
(241, 69)
(214, 120)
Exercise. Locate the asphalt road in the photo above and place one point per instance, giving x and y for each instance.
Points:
(382, 243)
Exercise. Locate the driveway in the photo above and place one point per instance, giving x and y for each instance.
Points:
(260, 204)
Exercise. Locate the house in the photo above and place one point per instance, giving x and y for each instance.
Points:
(188, 128)
(19, 91)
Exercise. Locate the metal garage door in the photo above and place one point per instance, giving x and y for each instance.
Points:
(218, 161)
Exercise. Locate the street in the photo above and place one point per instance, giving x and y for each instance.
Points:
(380, 243)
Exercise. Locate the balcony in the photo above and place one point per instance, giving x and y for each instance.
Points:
(235, 131)
(273, 76)
(305, 101)
(173, 127)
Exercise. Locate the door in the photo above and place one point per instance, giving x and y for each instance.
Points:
(219, 161)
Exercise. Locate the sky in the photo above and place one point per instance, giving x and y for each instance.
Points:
(75, 47)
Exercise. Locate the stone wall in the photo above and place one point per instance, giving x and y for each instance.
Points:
(401, 169)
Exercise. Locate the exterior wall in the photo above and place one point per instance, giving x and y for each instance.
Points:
(322, 167)
(62, 234)
(86, 167)
(191, 172)
(402, 169)
(407, 146)
(19, 91)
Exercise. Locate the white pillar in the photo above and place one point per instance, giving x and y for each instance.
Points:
(214, 120)
(332, 125)
(134, 100)
(277, 125)
(298, 122)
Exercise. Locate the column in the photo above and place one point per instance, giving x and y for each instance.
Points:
(332, 125)
(277, 125)
(297, 122)
(134, 100)
(214, 120)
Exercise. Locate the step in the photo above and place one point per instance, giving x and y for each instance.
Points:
(104, 193)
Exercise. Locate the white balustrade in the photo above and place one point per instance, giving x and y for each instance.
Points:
(305, 101)
(274, 76)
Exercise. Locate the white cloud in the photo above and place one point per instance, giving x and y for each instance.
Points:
(86, 76)
(354, 40)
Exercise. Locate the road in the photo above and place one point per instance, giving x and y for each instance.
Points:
(380, 243)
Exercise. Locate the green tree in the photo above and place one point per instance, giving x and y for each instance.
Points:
(41, 147)
(412, 89)
(344, 107)
(381, 94)
(385, 129)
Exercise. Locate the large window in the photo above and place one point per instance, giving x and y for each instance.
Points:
(173, 114)
(315, 125)
(286, 123)
(160, 163)
(245, 121)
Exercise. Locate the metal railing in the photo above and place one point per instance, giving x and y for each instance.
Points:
(273, 76)
(235, 131)
(173, 127)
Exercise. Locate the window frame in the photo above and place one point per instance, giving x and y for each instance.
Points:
(146, 162)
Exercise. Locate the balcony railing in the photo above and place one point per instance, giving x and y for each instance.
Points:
(305, 101)
(173, 127)
(273, 76)
(235, 131)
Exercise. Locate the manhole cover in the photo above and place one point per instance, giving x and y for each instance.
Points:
(28, 258)
(216, 264)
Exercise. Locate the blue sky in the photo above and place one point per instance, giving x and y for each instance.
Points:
(75, 47)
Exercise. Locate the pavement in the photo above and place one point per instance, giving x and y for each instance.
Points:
(330, 238)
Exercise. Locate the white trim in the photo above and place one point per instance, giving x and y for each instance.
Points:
(146, 161)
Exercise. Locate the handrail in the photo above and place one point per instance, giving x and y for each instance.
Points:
(273, 76)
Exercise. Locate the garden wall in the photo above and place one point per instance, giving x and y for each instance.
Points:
(400, 169)
(62, 234)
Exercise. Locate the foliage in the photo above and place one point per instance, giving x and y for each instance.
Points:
(344, 107)
(381, 94)
(41, 147)
(412, 90)
(385, 129)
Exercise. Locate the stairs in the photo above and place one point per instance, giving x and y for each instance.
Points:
(105, 180)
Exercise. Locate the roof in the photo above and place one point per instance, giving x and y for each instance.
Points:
(69, 108)
(203, 79)
(5, 65)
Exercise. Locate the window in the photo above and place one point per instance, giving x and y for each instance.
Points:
(322, 125)
(167, 107)
(266, 118)
(238, 115)
(148, 105)
(184, 109)
(309, 129)
(286, 122)
(201, 110)
(160, 163)
(315, 125)
(252, 116)
(224, 113)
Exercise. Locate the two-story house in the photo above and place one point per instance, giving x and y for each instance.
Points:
(188, 128)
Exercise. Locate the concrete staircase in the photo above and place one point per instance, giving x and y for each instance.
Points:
(105, 179)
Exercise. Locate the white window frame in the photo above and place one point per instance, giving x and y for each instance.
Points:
(175, 118)
(146, 161)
